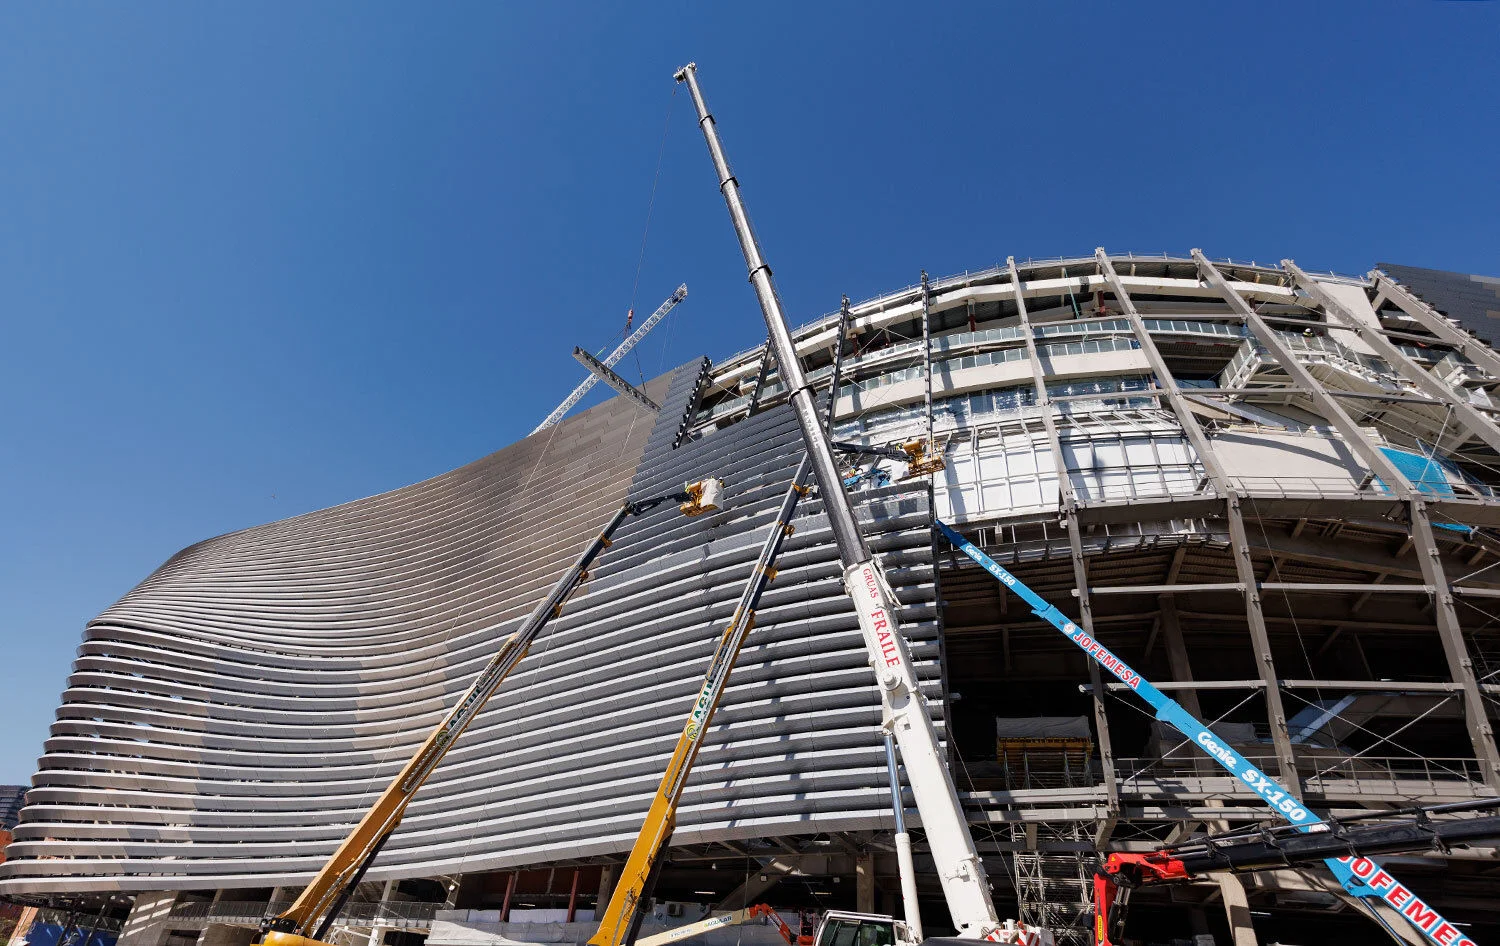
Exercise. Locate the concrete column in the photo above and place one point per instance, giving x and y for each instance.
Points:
(1177, 655)
(377, 932)
(607, 874)
(148, 920)
(1237, 910)
(864, 883)
(221, 934)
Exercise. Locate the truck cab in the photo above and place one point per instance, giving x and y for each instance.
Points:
(843, 928)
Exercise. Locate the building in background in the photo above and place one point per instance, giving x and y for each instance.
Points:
(1271, 492)
(1472, 301)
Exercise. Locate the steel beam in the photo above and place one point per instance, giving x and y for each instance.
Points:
(1239, 540)
(1300, 587)
(1165, 590)
(1377, 462)
(1190, 426)
(607, 375)
(1470, 419)
(760, 382)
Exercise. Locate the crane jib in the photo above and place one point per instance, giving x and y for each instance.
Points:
(1361, 876)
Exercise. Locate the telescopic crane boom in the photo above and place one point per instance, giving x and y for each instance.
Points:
(965, 886)
(312, 915)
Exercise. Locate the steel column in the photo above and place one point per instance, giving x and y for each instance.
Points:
(838, 363)
(927, 357)
(1450, 632)
(1239, 542)
(1075, 548)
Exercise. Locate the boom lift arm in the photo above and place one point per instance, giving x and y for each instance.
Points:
(1375, 881)
(622, 918)
(299, 924)
(727, 919)
(1254, 849)
(959, 869)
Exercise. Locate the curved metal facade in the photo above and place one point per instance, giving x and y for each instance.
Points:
(230, 718)
(1279, 490)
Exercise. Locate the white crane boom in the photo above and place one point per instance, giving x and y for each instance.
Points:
(907, 716)
(613, 357)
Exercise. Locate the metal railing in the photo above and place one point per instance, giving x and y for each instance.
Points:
(981, 339)
(400, 914)
(1322, 771)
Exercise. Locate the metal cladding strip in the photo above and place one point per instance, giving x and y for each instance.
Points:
(1361, 876)
(231, 717)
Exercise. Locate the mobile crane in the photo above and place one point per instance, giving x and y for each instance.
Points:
(312, 915)
(907, 717)
(1351, 839)
(1370, 880)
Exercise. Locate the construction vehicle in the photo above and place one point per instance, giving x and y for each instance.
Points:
(906, 714)
(1284, 803)
(312, 915)
(1252, 849)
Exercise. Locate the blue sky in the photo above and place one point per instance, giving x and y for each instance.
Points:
(256, 260)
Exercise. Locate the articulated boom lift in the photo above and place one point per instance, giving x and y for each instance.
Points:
(1362, 877)
(1350, 839)
(312, 915)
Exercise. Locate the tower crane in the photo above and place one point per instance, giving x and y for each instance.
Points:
(613, 357)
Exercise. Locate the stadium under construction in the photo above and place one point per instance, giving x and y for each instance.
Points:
(1270, 491)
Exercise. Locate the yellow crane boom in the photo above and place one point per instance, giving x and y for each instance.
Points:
(309, 918)
(622, 918)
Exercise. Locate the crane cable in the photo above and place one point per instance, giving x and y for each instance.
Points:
(640, 262)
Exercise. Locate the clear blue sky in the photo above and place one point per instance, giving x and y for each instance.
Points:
(260, 259)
